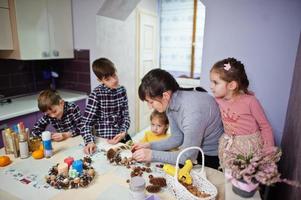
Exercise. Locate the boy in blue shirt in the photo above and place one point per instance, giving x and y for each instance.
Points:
(107, 108)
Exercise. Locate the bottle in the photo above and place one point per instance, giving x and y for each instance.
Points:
(46, 138)
(23, 146)
(9, 147)
(137, 188)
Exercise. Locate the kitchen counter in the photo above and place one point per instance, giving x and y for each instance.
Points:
(28, 104)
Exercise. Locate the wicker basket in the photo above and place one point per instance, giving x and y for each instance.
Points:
(199, 180)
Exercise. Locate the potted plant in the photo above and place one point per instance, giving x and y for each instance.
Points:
(248, 170)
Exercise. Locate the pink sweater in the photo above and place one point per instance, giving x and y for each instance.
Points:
(244, 115)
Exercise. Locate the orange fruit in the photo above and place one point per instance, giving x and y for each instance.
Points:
(4, 160)
(38, 154)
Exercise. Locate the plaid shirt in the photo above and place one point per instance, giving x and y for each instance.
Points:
(70, 121)
(106, 110)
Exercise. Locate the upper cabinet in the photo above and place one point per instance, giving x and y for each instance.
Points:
(6, 41)
(41, 29)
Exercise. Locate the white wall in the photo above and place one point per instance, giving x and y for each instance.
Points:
(110, 38)
(264, 35)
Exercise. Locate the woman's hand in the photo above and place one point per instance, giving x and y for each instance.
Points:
(117, 138)
(90, 148)
(143, 155)
(138, 146)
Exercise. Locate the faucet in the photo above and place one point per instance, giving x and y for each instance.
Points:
(4, 100)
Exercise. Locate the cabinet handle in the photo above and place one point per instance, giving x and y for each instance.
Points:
(45, 54)
(55, 53)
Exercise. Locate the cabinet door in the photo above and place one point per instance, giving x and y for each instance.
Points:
(6, 42)
(60, 28)
(32, 27)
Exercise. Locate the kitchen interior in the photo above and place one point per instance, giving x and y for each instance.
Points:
(31, 61)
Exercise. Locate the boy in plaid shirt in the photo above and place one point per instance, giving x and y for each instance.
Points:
(107, 108)
(64, 116)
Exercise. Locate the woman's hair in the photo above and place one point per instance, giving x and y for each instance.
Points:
(231, 69)
(47, 99)
(161, 116)
(155, 83)
(103, 68)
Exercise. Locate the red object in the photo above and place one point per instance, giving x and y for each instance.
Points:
(69, 160)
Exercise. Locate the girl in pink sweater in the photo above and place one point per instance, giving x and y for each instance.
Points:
(245, 124)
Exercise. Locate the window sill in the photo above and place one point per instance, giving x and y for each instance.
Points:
(188, 82)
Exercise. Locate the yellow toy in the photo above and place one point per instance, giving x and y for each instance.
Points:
(183, 173)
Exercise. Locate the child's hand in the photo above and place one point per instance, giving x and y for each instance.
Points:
(90, 148)
(57, 137)
(138, 146)
(60, 136)
(117, 138)
(67, 135)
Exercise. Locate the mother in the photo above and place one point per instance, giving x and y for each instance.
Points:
(193, 116)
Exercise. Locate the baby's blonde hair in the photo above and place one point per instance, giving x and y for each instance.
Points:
(161, 116)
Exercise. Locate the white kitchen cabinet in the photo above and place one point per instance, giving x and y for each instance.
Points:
(42, 29)
(6, 41)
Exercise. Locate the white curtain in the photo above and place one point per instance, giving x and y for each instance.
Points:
(176, 36)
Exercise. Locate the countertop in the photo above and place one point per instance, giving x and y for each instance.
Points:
(28, 104)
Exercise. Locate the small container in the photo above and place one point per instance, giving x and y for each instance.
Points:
(63, 169)
(23, 146)
(34, 143)
(69, 160)
(8, 141)
(137, 188)
(78, 166)
(46, 137)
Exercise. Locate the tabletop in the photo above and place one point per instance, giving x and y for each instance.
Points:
(109, 183)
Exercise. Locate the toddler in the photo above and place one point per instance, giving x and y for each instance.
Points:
(159, 127)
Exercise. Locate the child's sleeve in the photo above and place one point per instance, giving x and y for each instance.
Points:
(40, 126)
(88, 118)
(263, 123)
(77, 121)
(125, 114)
(144, 139)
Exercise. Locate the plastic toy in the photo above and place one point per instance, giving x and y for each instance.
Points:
(183, 174)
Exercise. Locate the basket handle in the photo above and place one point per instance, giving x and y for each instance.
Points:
(181, 153)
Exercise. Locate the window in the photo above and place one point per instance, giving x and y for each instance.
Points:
(181, 37)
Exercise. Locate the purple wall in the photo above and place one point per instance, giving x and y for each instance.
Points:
(264, 35)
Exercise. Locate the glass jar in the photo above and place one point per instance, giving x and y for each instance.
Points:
(137, 188)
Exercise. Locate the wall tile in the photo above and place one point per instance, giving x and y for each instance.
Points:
(4, 82)
(19, 77)
(77, 65)
(82, 54)
(83, 77)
